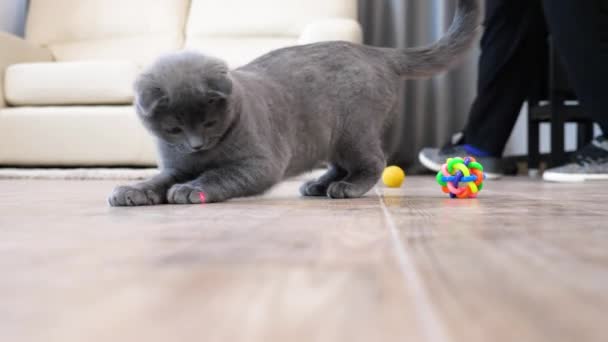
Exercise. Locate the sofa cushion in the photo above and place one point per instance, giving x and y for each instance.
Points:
(141, 50)
(238, 31)
(74, 136)
(238, 52)
(70, 83)
(107, 29)
(274, 18)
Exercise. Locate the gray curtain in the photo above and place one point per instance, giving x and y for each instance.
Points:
(434, 109)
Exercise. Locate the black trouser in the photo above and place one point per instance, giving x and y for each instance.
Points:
(514, 56)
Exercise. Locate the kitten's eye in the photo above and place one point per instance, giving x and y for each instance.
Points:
(174, 130)
(210, 123)
(211, 101)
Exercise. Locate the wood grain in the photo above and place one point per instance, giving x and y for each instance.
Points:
(527, 261)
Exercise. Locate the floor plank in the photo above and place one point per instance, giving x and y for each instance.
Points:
(527, 261)
(271, 269)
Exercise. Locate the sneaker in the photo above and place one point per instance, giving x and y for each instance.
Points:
(589, 163)
(433, 158)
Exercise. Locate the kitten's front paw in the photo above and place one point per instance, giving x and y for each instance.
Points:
(185, 194)
(127, 196)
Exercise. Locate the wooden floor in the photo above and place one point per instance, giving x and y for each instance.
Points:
(527, 261)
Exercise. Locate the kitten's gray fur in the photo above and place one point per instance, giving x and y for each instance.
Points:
(231, 133)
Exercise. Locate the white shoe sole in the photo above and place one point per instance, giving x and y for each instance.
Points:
(431, 165)
(558, 177)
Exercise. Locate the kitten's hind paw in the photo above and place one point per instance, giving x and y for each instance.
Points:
(344, 189)
(128, 196)
(313, 188)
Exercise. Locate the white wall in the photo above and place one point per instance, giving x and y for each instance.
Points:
(12, 16)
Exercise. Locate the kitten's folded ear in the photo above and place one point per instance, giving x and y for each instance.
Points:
(220, 87)
(148, 95)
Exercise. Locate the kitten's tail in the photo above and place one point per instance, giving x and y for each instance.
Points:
(427, 61)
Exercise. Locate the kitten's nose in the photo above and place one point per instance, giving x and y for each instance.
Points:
(196, 143)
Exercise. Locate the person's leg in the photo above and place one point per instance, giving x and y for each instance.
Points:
(514, 52)
(580, 32)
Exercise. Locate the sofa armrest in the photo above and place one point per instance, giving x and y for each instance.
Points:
(16, 50)
(332, 29)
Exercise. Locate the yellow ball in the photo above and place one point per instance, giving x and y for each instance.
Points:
(393, 176)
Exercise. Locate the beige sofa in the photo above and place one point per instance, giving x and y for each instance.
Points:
(66, 89)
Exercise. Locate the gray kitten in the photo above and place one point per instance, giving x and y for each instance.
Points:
(229, 133)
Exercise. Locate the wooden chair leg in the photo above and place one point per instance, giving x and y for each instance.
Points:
(558, 155)
(556, 101)
(533, 143)
(585, 133)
